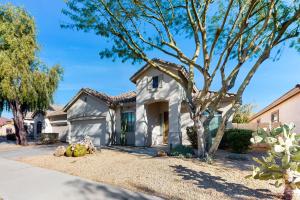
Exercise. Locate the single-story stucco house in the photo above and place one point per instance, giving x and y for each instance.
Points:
(285, 109)
(6, 126)
(155, 113)
(53, 120)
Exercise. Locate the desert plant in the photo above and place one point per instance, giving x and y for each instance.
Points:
(282, 163)
(243, 114)
(182, 151)
(69, 151)
(80, 150)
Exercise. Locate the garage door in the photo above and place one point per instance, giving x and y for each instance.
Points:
(96, 129)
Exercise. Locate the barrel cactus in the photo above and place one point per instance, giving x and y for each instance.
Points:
(282, 162)
(80, 150)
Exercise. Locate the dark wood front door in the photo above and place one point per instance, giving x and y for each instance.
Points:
(166, 128)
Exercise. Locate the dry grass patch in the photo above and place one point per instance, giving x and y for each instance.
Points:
(170, 178)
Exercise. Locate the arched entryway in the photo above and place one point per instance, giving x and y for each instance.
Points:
(158, 123)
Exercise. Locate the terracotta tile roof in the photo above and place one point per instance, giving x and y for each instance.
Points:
(179, 68)
(4, 121)
(125, 97)
(122, 98)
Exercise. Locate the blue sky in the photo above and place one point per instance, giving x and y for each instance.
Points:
(78, 54)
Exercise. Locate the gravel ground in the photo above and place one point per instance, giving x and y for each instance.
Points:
(170, 178)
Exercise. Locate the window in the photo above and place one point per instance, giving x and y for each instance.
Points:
(275, 116)
(155, 82)
(128, 121)
(258, 121)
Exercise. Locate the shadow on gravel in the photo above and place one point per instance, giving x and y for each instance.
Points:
(207, 181)
(87, 191)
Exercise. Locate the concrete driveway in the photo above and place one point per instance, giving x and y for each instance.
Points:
(21, 181)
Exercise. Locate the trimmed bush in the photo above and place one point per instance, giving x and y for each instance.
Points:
(192, 136)
(182, 150)
(11, 136)
(238, 140)
(49, 138)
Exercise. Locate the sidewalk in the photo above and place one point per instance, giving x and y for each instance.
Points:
(20, 181)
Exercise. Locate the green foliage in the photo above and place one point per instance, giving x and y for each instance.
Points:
(238, 139)
(49, 138)
(80, 150)
(192, 136)
(76, 150)
(282, 163)
(24, 81)
(243, 114)
(182, 150)
(11, 136)
(69, 151)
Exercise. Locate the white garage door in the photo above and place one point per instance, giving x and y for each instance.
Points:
(96, 129)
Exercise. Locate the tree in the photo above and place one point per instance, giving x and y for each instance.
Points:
(25, 83)
(243, 114)
(225, 37)
(282, 163)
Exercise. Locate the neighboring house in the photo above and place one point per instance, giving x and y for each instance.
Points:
(53, 120)
(29, 124)
(156, 113)
(285, 109)
(6, 126)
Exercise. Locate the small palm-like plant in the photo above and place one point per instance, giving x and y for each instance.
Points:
(282, 163)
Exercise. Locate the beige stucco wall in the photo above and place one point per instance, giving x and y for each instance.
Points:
(47, 128)
(171, 92)
(5, 127)
(289, 111)
(90, 111)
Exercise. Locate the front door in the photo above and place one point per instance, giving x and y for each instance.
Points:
(166, 128)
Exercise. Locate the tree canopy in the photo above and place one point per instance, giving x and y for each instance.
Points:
(224, 38)
(26, 84)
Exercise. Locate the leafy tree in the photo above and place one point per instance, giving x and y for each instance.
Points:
(282, 163)
(243, 114)
(224, 38)
(25, 83)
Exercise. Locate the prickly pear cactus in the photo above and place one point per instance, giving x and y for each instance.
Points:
(282, 163)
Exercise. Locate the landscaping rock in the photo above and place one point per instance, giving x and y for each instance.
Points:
(161, 153)
(59, 151)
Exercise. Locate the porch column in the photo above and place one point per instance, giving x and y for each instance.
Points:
(175, 137)
(141, 125)
(69, 132)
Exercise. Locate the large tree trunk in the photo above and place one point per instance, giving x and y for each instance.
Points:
(19, 123)
(200, 136)
(220, 133)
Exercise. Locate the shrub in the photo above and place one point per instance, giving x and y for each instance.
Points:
(192, 136)
(182, 150)
(11, 136)
(238, 139)
(49, 138)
